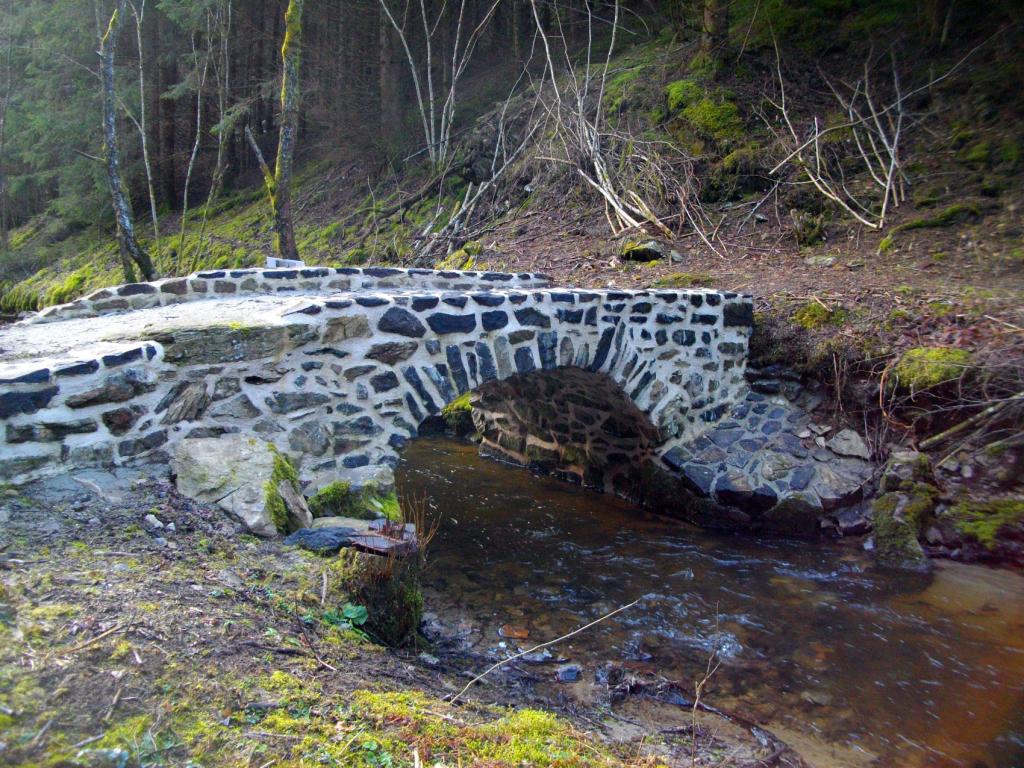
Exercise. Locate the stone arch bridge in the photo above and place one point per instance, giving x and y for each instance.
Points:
(339, 366)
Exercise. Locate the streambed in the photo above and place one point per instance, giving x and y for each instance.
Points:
(850, 665)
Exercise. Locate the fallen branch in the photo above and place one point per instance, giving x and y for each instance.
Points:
(549, 643)
(956, 429)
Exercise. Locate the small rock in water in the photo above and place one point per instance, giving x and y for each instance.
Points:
(537, 657)
(568, 673)
(513, 632)
(153, 522)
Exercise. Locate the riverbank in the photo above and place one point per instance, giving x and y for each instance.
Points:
(140, 628)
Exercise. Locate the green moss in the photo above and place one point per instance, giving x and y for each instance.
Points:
(684, 280)
(284, 471)
(334, 499)
(813, 315)
(458, 414)
(895, 537)
(719, 120)
(977, 153)
(925, 367)
(680, 94)
(985, 521)
(953, 214)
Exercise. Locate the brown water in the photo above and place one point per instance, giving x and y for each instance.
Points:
(852, 666)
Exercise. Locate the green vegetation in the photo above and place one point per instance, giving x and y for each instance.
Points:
(680, 94)
(339, 499)
(985, 521)
(814, 315)
(284, 471)
(458, 414)
(925, 367)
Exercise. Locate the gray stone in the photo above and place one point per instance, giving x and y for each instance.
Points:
(848, 443)
(226, 387)
(230, 471)
(239, 408)
(310, 438)
(116, 388)
(346, 327)
(393, 352)
(49, 432)
(323, 541)
(189, 404)
(299, 515)
(402, 322)
(287, 402)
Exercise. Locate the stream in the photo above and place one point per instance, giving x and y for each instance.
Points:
(849, 665)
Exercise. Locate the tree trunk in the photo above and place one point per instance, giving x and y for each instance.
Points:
(131, 252)
(279, 184)
(715, 26)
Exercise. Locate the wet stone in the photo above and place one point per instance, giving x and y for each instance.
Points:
(393, 352)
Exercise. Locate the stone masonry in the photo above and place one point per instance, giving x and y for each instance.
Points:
(338, 367)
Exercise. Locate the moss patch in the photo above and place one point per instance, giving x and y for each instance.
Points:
(985, 521)
(813, 315)
(284, 471)
(925, 367)
(458, 414)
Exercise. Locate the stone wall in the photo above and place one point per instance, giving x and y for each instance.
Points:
(340, 379)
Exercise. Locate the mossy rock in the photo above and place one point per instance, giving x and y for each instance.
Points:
(985, 522)
(284, 471)
(642, 250)
(458, 415)
(680, 94)
(927, 367)
(719, 120)
(895, 536)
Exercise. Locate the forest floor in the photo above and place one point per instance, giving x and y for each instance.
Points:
(124, 643)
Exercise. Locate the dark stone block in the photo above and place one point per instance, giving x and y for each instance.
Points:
(371, 301)
(771, 427)
(454, 357)
(112, 361)
(534, 317)
(338, 304)
(517, 298)
(120, 420)
(668, 298)
(420, 303)
(661, 337)
(142, 444)
(547, 342)
(524, 360)
(591, 317)
(210, 275)
(224, 286)
(643, 306)
(705, 319)
(79, 369)
(136, 289)
(384, 382)
(323, 541)
(312, 272)
(433, 346)
(392, 352)
(402, 322)
(713, 299)
(567, 298)
(14, 403)
(286, 402)
(518, 337)
(175, 287)
(381, 272)
(574, 316)
(49, 432)
(312, 365)
(494, 320)
(441, 322)
(410, 374)
(414, 407)
(348, 271)
(492, 276)
(663, 318)
(276, 274)
(487, 370)
(488, 299)
(801, 477)
(739, 314)
(359, 460)
(362, 426)
(397, 441)
(40, 376)
(456, 301)
(697, 300)
(603, 347)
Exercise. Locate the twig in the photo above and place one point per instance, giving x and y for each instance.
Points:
(503, 662)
